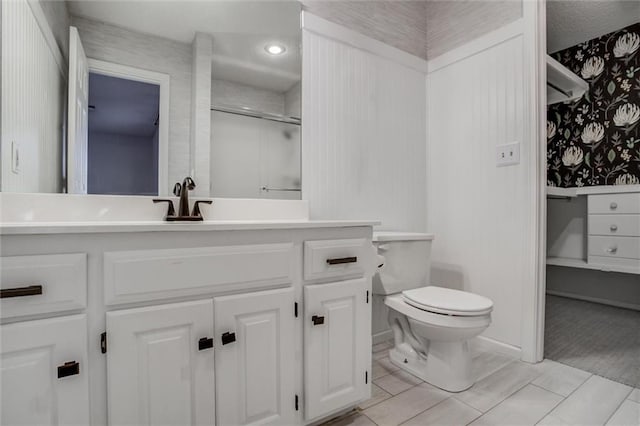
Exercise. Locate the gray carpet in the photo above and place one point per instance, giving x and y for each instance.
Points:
(601, 339)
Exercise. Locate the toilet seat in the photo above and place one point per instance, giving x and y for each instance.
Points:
(398, 303)
(447, 301)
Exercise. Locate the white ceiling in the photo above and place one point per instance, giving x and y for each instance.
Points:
(570, 22)
(240, 30)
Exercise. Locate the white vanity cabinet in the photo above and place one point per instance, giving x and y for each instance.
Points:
(44, 372)
(337, 340)
(195, 325)
(160, 364)
(255, 358)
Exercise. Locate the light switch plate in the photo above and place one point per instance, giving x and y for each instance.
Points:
(508, 154)
(15, 157)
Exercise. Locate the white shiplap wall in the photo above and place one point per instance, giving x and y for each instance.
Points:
(481, 214)
(363, 138)
(33, 98)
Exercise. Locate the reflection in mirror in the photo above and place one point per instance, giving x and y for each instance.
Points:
(123, 136)
(127, 100)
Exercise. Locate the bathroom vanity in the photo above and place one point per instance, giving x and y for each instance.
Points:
(219, 322)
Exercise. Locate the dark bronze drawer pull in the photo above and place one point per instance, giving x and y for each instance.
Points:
(341, 260)
(317, 320)
(228, 337)
(205, 343)
(70, 368)
(32, 290)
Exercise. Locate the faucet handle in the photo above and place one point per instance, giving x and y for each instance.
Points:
(196, 207)
(171, 211)
(177, 189)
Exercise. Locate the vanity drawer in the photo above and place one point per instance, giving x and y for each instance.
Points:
(624, 247)
(624, 225)
(628, 203)
(41, 284)
(140, 275)
(336, 258)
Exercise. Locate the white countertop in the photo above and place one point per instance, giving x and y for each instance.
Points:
(586, 190)
(33, 228)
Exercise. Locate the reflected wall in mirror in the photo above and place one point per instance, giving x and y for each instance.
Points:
(129, 97)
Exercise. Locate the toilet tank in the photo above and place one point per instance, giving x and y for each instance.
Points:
(407, 261)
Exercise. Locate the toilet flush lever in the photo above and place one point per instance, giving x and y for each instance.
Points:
(317, 320)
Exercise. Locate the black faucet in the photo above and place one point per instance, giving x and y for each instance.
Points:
(182, 191)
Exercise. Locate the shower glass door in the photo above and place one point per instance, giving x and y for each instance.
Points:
(254, 157)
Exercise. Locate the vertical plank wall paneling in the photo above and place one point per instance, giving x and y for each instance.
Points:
(363, 138)
(32, 92)
(481, 214)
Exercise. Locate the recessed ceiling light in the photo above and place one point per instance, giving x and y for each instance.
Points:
(275, 49)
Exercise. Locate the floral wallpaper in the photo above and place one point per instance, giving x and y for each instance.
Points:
(596, 140)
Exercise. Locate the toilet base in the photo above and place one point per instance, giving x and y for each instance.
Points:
(447, 365)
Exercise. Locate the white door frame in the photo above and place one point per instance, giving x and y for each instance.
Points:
(534, 12)
(163, 80)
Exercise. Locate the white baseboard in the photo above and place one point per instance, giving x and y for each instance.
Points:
(595, 300)
(383, 336)
(486, 343)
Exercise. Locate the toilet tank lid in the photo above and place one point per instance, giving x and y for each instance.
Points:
(401, 236)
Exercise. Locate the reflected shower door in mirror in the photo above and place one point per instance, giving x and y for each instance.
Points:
(120, 97)
(254, 157)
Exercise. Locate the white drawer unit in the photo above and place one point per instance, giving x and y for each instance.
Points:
(42, 284)
(133, 276)
(628, 203)
(333, 259)
(620, 247)
(624, 225)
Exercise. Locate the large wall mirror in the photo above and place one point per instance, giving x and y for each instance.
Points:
(129, 97)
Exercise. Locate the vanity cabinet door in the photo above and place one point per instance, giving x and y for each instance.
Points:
(337, 350)
(255, 358)
(160, 365)
(43, 372)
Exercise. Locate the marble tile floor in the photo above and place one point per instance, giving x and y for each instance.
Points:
(508, 393)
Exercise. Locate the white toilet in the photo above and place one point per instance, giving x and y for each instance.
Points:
(431, 325)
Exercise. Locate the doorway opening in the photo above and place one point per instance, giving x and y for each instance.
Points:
(123, 136)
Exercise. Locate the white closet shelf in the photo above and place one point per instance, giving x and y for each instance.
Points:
(573, 192)
(570, 262)
(562, 84)
(583, 264)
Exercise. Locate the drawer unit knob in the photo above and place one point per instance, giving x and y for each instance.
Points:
(32, 290)
(342, 260)
(70, 368)
(613, 206)
(612, 250)
(317, 320)
(228, 337)
(613, 228)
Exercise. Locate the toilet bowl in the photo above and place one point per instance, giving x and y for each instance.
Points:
(431, 325)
